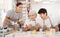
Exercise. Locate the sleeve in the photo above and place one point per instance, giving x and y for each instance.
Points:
(21, 16)
(54, 22)
(8, 14)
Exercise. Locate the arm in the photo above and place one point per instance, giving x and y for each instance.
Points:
(37, 27)
(20, 21)
(24, 28)
(56, 28)
(7, 19)
(9, 13)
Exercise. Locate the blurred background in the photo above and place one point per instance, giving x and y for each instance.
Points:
(52, 6)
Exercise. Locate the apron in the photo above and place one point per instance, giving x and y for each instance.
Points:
(45, 27)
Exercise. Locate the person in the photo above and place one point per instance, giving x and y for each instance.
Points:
(30, 23)
(46, 21)
(59, 26)
(14, 16)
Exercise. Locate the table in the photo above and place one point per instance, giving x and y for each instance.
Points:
(29, 34)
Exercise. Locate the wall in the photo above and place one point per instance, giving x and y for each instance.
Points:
(5, 5)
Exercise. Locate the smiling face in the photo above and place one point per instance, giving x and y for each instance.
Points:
(19, 8)
(32, 16)
(43, 15)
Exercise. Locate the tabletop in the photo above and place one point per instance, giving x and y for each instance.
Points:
(29, 34)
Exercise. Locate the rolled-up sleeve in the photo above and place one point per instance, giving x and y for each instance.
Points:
(8, 14)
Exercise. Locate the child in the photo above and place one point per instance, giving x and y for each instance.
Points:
(30, 23)
(46, 21)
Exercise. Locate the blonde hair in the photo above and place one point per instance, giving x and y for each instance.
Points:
(32, 13)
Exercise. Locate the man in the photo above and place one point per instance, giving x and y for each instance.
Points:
(46, 21)
(14, 16)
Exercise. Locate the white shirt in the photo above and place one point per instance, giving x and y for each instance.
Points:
(30, 22)
(48, 22)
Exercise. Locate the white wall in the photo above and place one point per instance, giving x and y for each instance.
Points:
(5, 5)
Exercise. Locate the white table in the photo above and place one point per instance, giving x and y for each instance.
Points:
(29, 34)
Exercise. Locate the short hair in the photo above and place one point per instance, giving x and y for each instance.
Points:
(18, 4)
(42, 10)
